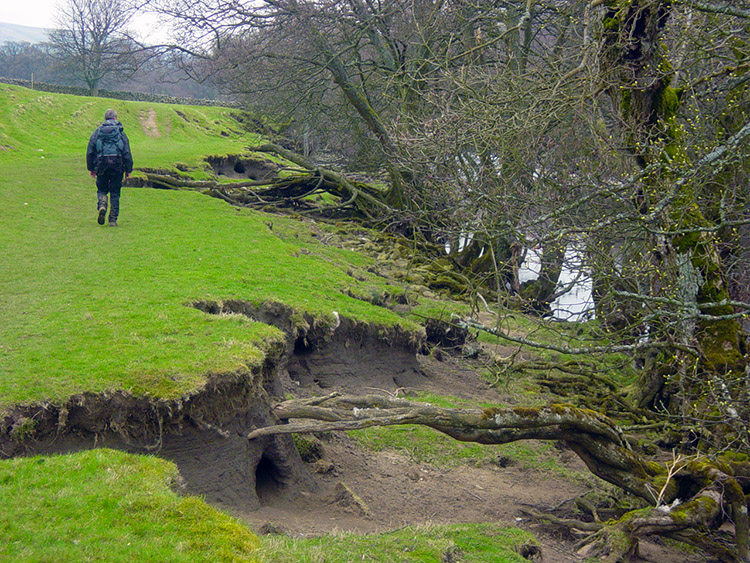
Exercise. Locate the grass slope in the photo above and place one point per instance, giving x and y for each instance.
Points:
(106, 505)
(40, 125)
(90, 308)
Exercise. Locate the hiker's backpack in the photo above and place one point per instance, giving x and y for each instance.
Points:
(109, 147)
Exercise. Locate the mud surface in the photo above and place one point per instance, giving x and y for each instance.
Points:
(397, 491)
(149, 124)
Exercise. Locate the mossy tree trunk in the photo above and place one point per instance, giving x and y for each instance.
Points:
(686, 267)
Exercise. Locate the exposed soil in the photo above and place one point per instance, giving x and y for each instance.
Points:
(243, 167)
(396, 491)
(149, 123)
(266, 483)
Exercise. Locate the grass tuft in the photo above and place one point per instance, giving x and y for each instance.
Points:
(468, 543)
(105, 505)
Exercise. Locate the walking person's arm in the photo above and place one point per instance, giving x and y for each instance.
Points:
(127, 157)
(91, 153)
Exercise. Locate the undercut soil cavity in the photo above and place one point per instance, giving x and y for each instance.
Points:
(239, 167)
(205, 435)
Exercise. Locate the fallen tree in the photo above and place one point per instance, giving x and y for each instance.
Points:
(288, 190)
(688, 499)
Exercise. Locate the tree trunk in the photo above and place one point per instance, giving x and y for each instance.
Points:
(538, 294)
(93, 85)
(687, 266)
(395, 196)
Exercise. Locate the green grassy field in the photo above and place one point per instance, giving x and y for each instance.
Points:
(467, 543)
(91, 308)
(105, 505)
(87, 308)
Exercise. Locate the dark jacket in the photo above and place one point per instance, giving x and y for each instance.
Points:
(127, 158)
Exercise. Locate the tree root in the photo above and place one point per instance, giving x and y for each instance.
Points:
(569, 523)
(713, 488)
(365, 199)
(610, 545)
(166, 181)
(289, 190)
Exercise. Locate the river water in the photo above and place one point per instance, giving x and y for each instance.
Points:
(577, 304)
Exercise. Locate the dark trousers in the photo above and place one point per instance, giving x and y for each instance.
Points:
(109, 182)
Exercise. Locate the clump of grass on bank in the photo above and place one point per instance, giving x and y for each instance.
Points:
(105, 505)
(87, 308)
(468, 543)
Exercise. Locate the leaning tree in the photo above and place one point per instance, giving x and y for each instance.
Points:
(628, 143)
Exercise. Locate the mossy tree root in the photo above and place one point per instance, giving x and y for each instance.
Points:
(167, 181)
(689, 502)
(288, 190)
(367, 200)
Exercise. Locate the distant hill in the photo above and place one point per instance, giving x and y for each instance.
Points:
(14, 32)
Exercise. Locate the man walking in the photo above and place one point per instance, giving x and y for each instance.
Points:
(107, 158)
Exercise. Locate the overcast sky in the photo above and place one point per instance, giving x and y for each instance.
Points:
(41, 13)
(34, 13)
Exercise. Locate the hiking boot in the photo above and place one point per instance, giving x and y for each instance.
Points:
(112, 223)
(101, 207)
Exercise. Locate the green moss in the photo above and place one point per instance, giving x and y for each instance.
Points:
(686, 513)
(732, 456)
(667, 102)
(701, 467)
(628, 516)
(719, 339)
(720, 347)
(626, 101)
(309, 448)
(566, 409)
(611, 24)
(490, 413)
(653, 468)
(527, 412)
(685, 242)
(452, 283)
